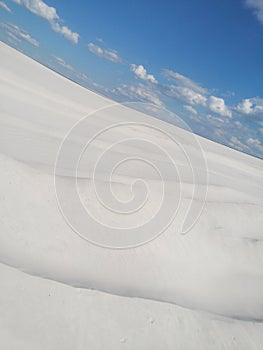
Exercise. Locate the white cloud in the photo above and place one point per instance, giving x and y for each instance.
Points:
(66, 32)
(41, 9)
(250, 106)
(237, 144)
(185, 94)
(62, 63)
(217, 105)
(140, 72)
(257, 5)
(184, 81)
(85, 78)
(215, 120)
(219, 133)
(139, 92)
(95, 49)
(75, 73)
(190, 109)
(109, 54)
(12, 36)
(255, 143)
(245, 106)
(17, 33)
(238, 124)
(252, 141)
(28, 38)
(185, 90)
(5, 7)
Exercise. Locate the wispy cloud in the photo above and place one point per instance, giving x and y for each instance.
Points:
(184, 94)
(13, 37)
(108, 54)
(75, 74)
(182, 80)
(62, 63)
(184, 89)
(18, 33)
(141, 73)
(5, 7)
(190, 109)
(237, 144)
(140, 92)
(257, 6)
(256, 143)
(41, 9)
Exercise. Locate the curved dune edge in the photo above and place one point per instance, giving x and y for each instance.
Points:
(42, 314)
(216, 268)
(78, 286)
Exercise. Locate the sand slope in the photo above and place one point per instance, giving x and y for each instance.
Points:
(199, 290)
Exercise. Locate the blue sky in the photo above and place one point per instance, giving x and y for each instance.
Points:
(201, 59)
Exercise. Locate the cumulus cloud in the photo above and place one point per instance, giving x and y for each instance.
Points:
(141, 73)
(108, 54)
(257, 6)
(246, 106)
(38, 7)
(185, 94)
(66, 32)
(5, 7)
(217, 105)
(250, 106)
(41, 9)
(184, 81)
(17, 33)
(190, 109)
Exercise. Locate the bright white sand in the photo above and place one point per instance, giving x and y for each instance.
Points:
(202, 290)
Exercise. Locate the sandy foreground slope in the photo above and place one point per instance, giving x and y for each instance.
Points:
(60, 289)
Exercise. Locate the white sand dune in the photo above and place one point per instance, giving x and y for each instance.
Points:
(200, 290)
